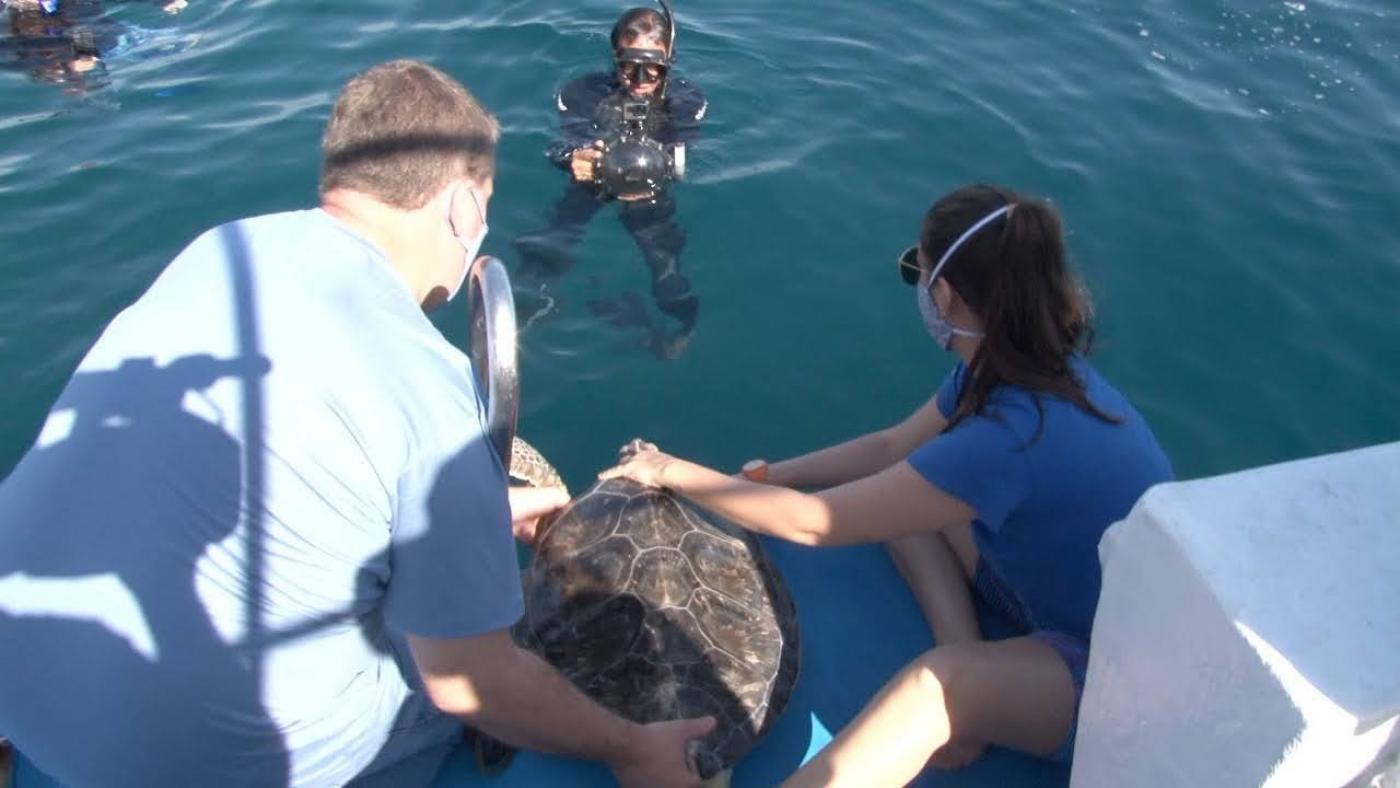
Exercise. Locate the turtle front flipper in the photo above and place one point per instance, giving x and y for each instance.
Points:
(4, 763)
(492, 757)
(530, 467)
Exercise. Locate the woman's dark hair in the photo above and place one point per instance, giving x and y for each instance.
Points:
(1014, 275)
(641, 23)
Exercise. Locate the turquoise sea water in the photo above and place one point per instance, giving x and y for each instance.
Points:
(1227, 171)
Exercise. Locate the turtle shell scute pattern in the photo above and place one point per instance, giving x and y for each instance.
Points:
(661, 610)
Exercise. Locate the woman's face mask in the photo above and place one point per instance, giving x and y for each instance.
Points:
(938, 326)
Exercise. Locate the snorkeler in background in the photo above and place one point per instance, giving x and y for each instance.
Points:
(623, 138)
(64, 42)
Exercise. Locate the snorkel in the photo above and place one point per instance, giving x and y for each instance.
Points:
(670, 46)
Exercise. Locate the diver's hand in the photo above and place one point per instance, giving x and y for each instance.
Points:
(584, 162)
(641, 462)
(658, 755)
(529, 504)
(83, 64)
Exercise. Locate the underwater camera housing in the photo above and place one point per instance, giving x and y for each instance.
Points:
(634, 165)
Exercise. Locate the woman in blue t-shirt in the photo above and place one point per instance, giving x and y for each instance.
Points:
(1000, 486)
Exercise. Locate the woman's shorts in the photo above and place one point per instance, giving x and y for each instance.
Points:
(997, 595)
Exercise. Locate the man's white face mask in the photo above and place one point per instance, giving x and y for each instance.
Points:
(472, 246)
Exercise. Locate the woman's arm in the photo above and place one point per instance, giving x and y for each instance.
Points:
(863, 456)
(894, 503)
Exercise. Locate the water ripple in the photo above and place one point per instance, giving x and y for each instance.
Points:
(1226, 172)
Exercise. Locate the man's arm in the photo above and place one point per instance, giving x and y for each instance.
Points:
(577, 103)
(516, 697)
(455, 590)
(688, 108)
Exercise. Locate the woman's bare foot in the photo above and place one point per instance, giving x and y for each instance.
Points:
(956, 755)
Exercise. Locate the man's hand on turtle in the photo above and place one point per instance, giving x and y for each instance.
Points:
(529, 504)
(641, 462)
(658, 756)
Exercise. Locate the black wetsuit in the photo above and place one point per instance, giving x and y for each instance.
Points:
(47, 45)
(590, 109)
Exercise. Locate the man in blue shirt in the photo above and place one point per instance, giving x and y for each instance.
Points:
(261, 538)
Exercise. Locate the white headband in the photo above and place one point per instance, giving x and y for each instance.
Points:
(971, 231)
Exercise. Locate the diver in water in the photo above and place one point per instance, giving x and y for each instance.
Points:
(63, 42)
(623, 137)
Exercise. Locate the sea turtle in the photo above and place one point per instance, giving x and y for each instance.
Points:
(653, 606)
(659, 609)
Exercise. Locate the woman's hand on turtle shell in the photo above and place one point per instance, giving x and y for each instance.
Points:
(658, 756)
(529, 504)
(641, 462)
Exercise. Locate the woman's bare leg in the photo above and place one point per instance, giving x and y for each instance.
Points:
(939, 576)
(1016, 693)
(939, 570)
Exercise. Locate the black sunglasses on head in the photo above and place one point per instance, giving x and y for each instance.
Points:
(909, 269)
